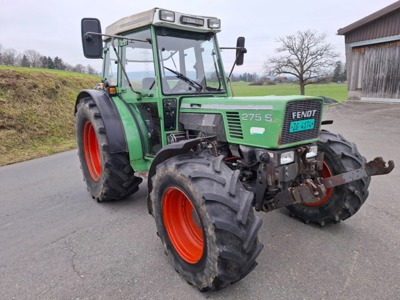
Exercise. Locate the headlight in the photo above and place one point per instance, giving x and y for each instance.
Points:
(214, 23)
(287, 158)
(167, 15)
(313, 152)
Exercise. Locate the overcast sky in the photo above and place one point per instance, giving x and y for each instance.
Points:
(53, 27)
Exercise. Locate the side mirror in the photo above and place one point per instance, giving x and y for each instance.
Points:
(240, 51)
(91, 38)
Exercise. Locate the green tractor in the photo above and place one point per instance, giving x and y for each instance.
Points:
(165, 107)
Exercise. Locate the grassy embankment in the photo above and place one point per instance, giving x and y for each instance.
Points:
(36, 108)
(37, 111)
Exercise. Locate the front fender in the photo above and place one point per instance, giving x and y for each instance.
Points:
(168, 152)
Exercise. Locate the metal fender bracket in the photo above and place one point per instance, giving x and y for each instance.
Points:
(312, 192)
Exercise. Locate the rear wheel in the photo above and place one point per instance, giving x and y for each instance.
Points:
(109, 176)
(343, 201)
(92, 151)
(205, 220)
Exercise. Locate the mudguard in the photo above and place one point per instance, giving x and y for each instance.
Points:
(168, 152)
(111, 118)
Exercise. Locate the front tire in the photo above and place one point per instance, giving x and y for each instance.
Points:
(205, 220)
(340, 202)
(108, 176)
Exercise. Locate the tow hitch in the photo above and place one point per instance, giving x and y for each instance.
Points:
(313, 191)
(373, 168)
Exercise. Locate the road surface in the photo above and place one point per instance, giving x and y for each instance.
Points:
(57, 243)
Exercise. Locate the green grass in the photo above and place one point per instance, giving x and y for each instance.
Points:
(37, 111)
(332, 90)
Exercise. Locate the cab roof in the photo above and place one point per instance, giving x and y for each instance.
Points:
(152, 17)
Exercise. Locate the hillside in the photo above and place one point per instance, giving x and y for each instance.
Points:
(37, 111)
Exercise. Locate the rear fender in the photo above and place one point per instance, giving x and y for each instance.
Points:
(112, 121)
(120, 126)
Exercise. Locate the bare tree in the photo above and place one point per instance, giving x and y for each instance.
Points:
(68, 67)
(91, 70)
(9, 57)
(79, 68)
(33, 57)
(43, 62)
(305, 55)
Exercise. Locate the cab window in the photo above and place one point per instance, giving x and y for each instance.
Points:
(139, 62)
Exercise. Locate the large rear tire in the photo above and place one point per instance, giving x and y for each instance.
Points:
(109, 176)
(343, 201)
(205, 220)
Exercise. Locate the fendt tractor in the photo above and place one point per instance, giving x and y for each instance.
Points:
(165, 108)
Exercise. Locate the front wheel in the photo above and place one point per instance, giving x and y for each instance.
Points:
(205, 220)
(340, 202)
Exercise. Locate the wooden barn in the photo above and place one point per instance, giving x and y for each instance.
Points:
(373, 56)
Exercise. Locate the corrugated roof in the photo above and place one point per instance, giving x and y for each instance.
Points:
(368, 19)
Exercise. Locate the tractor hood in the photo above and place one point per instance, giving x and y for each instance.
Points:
(272, 122)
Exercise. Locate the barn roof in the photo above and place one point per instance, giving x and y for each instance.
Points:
(368, 19)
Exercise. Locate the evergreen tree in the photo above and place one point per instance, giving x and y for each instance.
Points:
(58, 63)
(338, 72)
(25, 62)
(50, 63)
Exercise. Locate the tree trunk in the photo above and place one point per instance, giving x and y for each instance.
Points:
(302, 88)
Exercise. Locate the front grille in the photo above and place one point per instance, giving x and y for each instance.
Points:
(301, 106)
(234, 125)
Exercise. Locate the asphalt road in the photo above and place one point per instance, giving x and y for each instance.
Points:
(57, 243)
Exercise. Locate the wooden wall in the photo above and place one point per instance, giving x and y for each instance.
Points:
(374, 71)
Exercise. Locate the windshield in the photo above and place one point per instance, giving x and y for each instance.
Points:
(189, 62)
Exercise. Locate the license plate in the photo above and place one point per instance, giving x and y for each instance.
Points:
(303, 125)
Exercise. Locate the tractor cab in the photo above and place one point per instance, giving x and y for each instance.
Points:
(153, 60)
(171, 54)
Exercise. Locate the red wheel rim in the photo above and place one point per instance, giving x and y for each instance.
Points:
(92, 152)
(325, 173)
(183, 225)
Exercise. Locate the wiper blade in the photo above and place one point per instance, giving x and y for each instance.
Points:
(191, 82)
